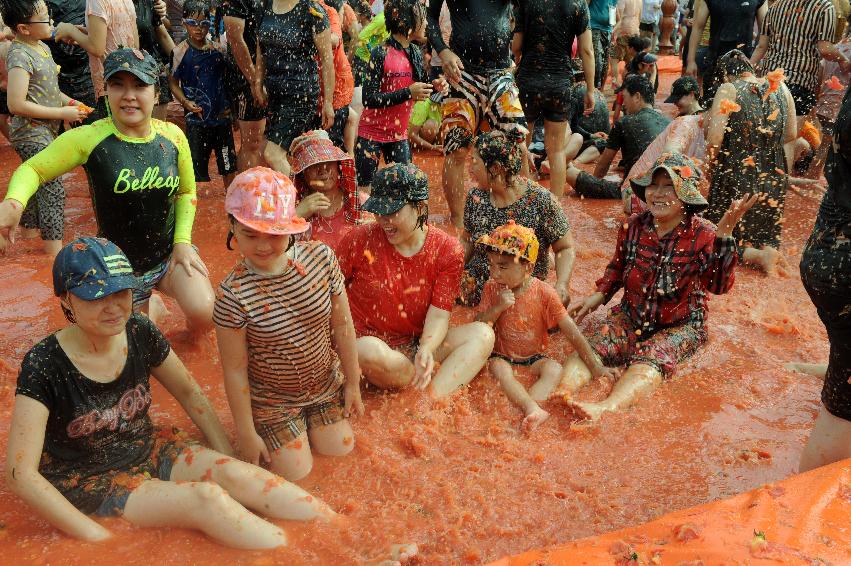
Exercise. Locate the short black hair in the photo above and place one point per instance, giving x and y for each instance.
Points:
(361, 8)
(642, 85)
(196, 7)
(638, 43)
(403, 16)
(16, 12)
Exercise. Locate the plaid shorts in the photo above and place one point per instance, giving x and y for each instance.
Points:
(148, 281)
(615, 341)
(295, 421)
(481, 103)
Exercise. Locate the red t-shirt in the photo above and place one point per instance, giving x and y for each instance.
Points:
(344, 81)
(389, 294)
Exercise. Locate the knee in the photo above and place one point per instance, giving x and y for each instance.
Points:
(482, 335)
(210, 498)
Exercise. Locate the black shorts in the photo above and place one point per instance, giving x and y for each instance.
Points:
(290, 116)
(242, 104)
(203, 140)
(590, 186)
(4, 102)
(599, 143)
(649, 27)
(530, 361)
(805, 99)
(368, 152)
(551, 105)
(341, 116)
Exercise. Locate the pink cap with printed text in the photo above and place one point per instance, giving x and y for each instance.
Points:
(264, 200)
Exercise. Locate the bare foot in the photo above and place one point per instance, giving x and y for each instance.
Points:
(770, 260)
(30, 233)
(534, 419)
(584, 411)
(399, 554)
(817, 370)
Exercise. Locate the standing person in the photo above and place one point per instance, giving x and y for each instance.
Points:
(110, 24)
(141, 183)
(402, 278)
(732, 28)
(396, 78)
(197, 81)
(155, 39)
(826, 273)
(797, 35)
(344, 84)
(628, 20)
(503, 195)
(38, 109)
(243, 82)
(545, 75)
(290, 36)
(746, 129)
(650, 10)
(285, 333)
(75, 78)
(482, 94)
(603, 16)
(174, 14)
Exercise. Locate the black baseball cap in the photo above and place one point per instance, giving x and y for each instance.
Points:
(683, 86)
(92, 268)
(395, 186)
(137, 62)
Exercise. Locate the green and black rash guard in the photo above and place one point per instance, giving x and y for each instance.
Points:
(143, 189)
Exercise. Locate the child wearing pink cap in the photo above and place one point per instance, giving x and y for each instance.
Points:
(285, 333)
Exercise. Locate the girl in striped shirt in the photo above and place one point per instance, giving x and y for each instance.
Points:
(285, 333)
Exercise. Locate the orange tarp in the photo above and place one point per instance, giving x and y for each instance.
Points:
(805, 519)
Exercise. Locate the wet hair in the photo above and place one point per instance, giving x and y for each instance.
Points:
(421, 206)
(337, 5)
(361, 8)
(17, 12)
(638, 43)
(640, 84)
(196, 7)
(403, 16)
(497, 147)
(69, 315)
(734, 63)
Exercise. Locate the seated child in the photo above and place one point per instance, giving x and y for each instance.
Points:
(424, 127)
(197, 82)
(522, 309)
(285, 332)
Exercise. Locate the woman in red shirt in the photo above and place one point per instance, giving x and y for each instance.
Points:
(665, 260)
(402, 278)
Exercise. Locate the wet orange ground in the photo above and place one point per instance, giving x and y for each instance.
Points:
(456, 476)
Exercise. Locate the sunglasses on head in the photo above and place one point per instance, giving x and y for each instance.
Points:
(200, 23)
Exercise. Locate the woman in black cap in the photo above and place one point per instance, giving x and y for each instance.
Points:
(402, 279)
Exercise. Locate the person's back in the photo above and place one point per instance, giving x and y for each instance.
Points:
(120, 18)
(634, 132)
(629, 12)
(481, 33)
(596, 121)
(734, 25)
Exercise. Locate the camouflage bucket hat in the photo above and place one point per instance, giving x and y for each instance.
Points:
(684, 173)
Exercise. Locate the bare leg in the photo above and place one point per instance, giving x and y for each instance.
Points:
(193, 294)
(462, 356)
(276, 157)
(549, 372)
(590, 155)
(203, 506)
(572, 174)
(350, 131)
(383, 366)
(554, 142)
(768, 258)
(574, 144)
(294, 460)
(52, 247)
(830, 441)
(335, 439)
(453, 185)
(251, 143)
(517, 394)
(816, 370)
(254, 487)
(30, 233)
(637, 381)
(574, 377)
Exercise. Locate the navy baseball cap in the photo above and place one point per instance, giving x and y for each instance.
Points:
(92, 268)
(137, 62)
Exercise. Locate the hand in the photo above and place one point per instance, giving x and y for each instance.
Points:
(563, 290)
(737, 209)
(626, 199)
(64, 32)
(589, 101)
(589, 305)
(423, 368)
(435, 147)
(10, 215)
(185, 256)
(600, 135)
(452, 65)
(603, 371)
(691, 69)
(252, 448)
(420, 91)
(160, 9)
(72, 113)
(311, 204)
(506, 298)
(352, 402)
(440, 85)
(193, 107)
(258, 93)
(327, 115)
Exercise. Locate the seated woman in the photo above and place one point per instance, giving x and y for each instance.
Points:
(504, 196)
(81, 439)
(324, 177)
(666, 259)
(402, 280)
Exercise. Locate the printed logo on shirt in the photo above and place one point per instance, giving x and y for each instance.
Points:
(127, 181)
(133, 402)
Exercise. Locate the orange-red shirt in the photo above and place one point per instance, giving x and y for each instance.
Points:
(344, 81)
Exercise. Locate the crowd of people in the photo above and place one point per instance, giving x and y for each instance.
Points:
(345, 280)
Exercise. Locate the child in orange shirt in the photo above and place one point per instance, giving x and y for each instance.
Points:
(522, 309)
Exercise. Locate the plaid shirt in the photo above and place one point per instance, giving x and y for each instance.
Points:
(665, 279)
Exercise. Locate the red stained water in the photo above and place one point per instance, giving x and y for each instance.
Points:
(456, 476)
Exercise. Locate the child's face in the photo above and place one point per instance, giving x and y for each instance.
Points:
(322, 177)
(263, 251)
(130, 99)
(101, 317)
(39, 25)
(197, 25)
(508, 270)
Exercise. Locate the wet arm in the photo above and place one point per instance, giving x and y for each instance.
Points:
(93, 39)
(233, 352)
(434, 329)
(164, 39)
(760, 50)
(235, 28)
(716, 121)
(433, 27)
(586, 53)
(26, 441)
(565, 252)
(179, 382)
(323, 46)
(580, 344)
(790, 134)
(701, 16)
(604, 162)
(416, 139)
(16, 90)
(343, 338)
(719, 268)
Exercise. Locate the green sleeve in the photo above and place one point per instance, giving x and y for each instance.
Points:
(373, 29)
(65, 152)
(184, 207)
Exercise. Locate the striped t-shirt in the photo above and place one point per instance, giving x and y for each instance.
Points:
(794, 28)
(288, 329)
